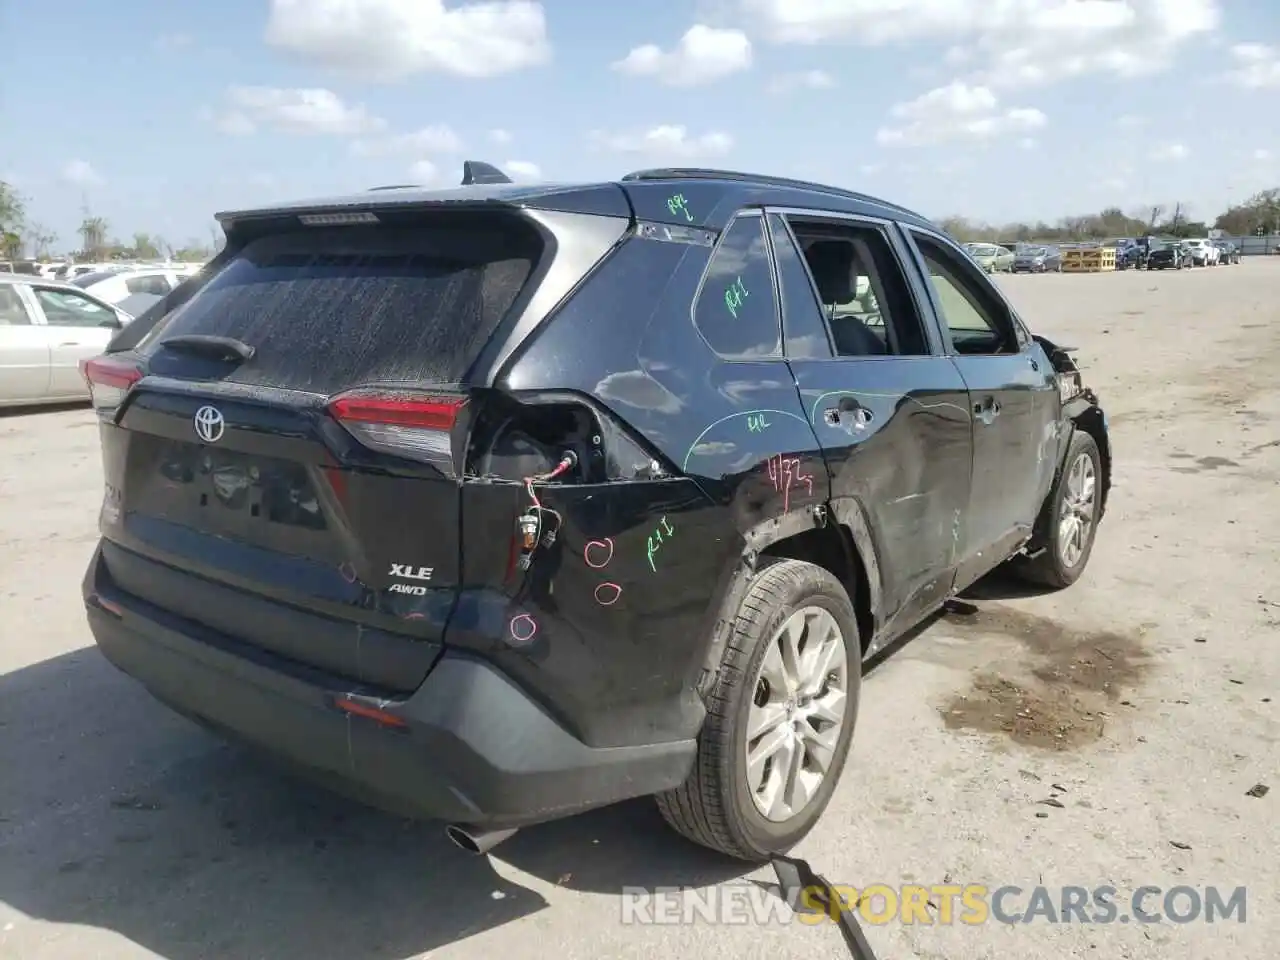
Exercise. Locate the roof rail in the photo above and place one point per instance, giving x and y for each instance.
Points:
(397, 186)
(702, 173)
(477, 171)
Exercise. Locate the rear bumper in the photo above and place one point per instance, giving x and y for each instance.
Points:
(473, 748)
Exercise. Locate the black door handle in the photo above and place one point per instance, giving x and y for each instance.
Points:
(848, 409)
(987, 410)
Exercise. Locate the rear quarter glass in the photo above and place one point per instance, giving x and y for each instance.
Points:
(330, 308)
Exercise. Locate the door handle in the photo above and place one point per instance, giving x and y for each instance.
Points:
(987, 410)
(70, 343)
(1035, 364)
(848, 408)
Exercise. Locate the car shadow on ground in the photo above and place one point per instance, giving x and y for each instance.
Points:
(116, 814)
(1002, 585)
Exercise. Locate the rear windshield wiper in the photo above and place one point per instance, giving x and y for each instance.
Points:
(205, 345)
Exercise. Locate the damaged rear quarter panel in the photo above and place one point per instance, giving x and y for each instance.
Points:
(746, 468)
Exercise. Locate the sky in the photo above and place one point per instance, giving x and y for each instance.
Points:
(155, 115)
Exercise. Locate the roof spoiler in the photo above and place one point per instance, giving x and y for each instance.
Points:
(477, 171)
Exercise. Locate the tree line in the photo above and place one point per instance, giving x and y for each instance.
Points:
(22, 237)
(1260, 214)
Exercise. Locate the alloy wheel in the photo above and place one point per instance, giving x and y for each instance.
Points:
(797, 713)
(1076, 517)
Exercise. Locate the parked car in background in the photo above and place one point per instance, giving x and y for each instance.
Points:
(1228, 252)
(1033, 259)
(70, 271)
(1131, 256)
(1201, 252)
(1167, 256)
(25, 267)
(115, 286)
(356, 370)
(46, 330)
(992, 257)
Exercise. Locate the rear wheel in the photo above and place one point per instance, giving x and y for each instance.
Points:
(1071, 523)
(779, 720)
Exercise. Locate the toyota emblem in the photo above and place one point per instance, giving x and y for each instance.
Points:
(210, 424)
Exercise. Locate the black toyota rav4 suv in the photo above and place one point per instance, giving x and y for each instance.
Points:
(498, 503)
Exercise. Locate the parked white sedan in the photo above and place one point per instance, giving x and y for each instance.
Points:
(116, 286)
(46, 329)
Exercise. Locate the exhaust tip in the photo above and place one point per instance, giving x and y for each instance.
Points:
(475, 842)
(462, 839)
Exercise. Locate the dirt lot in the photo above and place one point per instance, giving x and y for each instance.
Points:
(1144, 703)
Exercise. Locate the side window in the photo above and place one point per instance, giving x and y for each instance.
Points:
(974, 316)
(736, 312)
(804, 332)
(864, 296)
(13, 312)
(152, 283)
(62, 308)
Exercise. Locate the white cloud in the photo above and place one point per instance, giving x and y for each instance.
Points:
(438, 138)
(1262, 154)
(521, 170)
(294, 111)
(704, 54)
(389, 40)
(1257, 66)
(173, 41)
(1170, 151)
(1028, 143)
(803, 80)
(665, 143)
(233, 123)
(1017, 42)
(956, 112)
(424, 171)
(500, 137)
(80, 173)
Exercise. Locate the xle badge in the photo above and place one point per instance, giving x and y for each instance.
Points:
(411, 573)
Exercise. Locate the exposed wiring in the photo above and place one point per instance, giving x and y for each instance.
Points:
(567, 462)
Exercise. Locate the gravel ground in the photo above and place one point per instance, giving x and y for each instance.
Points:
(1143, 703)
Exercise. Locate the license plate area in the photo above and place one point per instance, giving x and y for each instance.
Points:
(225, 491)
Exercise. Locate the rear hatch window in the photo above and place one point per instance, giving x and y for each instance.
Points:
(329, 308)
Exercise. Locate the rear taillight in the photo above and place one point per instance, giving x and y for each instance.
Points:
(110, 379)
(410, 425)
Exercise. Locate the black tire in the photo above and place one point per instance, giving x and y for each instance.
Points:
(714, 807)
(1048, 569)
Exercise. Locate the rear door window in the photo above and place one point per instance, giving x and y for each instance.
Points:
(66, 308)
(330, 308)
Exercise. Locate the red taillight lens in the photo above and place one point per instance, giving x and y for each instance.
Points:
(414, 426)
(109, 379)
